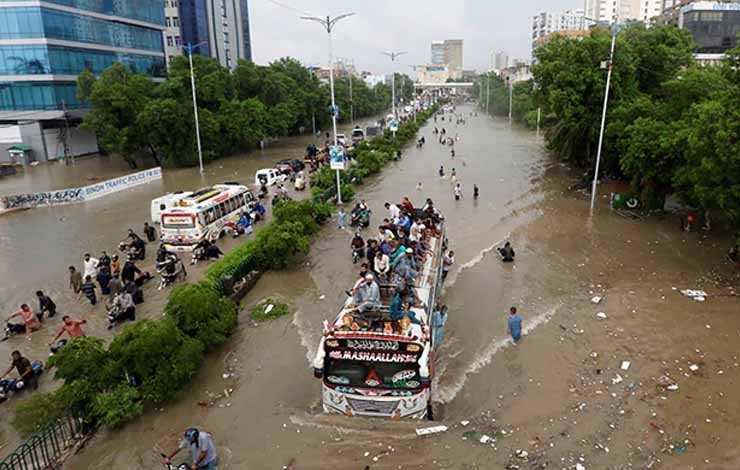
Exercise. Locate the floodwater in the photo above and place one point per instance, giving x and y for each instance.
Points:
(557, 399)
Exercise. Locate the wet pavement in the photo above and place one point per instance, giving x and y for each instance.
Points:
(559, 399)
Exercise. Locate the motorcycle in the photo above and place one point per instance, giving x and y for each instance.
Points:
(357, 254)
(15, 385)
(170, 271)
(172, 466)
(360, 217)
(55, 348)
(130, 251)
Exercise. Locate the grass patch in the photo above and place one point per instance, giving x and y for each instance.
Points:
(269, 309)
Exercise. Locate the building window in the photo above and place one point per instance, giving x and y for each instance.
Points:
(178, 41)
(175, 22)
(170, 42)
(168, 22)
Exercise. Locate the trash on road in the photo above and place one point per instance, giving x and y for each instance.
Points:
(596, 299)
(626, 365)
(601, 315)
(698, 295)
(693, 367)
(430, 430)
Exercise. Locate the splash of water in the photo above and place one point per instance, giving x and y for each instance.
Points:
(446, 393)
(473, 262)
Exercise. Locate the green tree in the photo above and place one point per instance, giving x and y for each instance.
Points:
(157, 358)
(116, 99)
(202, 314)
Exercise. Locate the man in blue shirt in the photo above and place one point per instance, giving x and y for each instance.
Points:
(515, 325)
(202, 450)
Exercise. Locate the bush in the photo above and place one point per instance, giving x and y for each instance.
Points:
(279, 245)
(118, 406)
(40, 410)
(200, 313)
(278, 310)
(82, 358)
(157, 358)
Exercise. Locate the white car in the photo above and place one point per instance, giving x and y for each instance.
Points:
(268, 177)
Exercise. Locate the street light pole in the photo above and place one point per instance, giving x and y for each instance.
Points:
(393, 56)
(614, 29)
(511, 96)
(328, 25)
(488, 84)
(190, 48)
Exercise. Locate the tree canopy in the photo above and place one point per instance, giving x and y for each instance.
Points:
(236, 109)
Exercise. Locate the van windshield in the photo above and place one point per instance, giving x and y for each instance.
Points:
(372, 374)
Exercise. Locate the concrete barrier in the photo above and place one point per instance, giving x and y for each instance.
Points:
(85, 193)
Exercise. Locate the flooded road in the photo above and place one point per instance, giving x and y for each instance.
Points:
(560, 396)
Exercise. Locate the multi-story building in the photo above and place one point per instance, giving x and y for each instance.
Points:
(500, 60)
(619, 11)
(449, 54)
(714, 25)
(44, 45)
(173, 30)
(546, 23)
(221, 27)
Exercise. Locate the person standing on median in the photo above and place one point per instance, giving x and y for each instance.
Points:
(515, 325)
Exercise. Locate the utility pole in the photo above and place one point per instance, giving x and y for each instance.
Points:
(328, 25)
(488, 83)
(351, 103)
(67, 155)
(539, 112)
(189, 49)
(511, 96)
(393, 56)
(614, 30)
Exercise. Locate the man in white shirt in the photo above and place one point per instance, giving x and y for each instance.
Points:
(382, 263)
(417, 230)
(393, 211)
(90, 266)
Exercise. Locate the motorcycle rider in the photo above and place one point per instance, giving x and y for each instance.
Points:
(358, 246)
(25, 371)
(202, 450)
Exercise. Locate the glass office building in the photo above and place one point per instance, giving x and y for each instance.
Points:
(220, 26)
(715, 26)
(44, 45)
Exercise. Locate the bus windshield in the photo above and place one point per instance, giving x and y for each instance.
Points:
(372, 374)
(178, 222)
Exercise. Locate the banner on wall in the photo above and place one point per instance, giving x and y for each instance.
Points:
(85, 193)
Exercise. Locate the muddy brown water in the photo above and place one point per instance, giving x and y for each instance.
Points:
(555, 396)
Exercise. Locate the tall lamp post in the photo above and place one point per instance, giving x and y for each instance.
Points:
(328, 23)
(189, 49)
(393, 56)
(614, 30)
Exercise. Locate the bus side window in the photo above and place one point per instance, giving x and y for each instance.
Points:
(210, 213)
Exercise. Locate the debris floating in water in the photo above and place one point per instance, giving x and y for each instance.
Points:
(430, 430)
(626, 365)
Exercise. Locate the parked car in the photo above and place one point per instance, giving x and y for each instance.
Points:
(268, 177)
(288, 165)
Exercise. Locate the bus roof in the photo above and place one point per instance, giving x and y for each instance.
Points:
(212, 195)
(424, 288)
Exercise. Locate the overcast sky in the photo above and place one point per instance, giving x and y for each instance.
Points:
(387, 25)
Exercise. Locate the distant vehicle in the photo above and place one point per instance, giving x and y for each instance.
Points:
(268, 177)
(342, 139)
(372, 131)
(165, 202)
(206, 214)
(288, 165)
(408, 109)
(358, 135)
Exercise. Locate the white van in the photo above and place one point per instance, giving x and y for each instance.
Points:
(268, 177)
(165, 202)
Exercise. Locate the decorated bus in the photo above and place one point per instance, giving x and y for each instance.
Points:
(371, 365)
(205, 214)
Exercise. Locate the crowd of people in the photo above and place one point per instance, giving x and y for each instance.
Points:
(119, 285)
(394, 259)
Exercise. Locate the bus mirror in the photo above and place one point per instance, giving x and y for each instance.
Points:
(318, 373)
